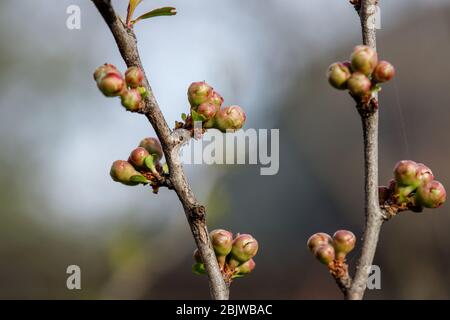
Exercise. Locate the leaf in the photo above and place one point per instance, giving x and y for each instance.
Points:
(183, 116)
(149, 162)
(132, 5)
(165, 168)
(165, 11)
(235, 276)
(197, 117)
(138, 179)
(199, 269)
(143, 92)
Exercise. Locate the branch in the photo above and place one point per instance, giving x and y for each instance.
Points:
(374, 215)
(171, 142)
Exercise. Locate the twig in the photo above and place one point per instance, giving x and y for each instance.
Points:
(171, 143)
(374, 215)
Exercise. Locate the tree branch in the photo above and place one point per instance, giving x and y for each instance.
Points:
(374, 215)
(171, 142)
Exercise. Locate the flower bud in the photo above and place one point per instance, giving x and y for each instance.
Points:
(122, 171)
(199, 92)
(431, 195)
(103, 70)
(216, 99)
(222, 241)
(364, 59)
(244, 248)
(384, 71)
(208, 110)
(424, 174)
(230, 118)
(111, 85)
(402, 193)
(134, 77)
(359, 85)
(338, 74)
(246, 267)
(137, 157)
(153, 147)
(131, 99)
(405, 173)
(197, 256)
(318, 239)
(324, 253)
(343, 242)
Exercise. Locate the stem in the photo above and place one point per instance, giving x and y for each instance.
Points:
(171, 143)
(374, 215)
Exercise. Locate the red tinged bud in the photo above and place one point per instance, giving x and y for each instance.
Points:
(131, 99)
(103, 70)
(431, 195)
(134, 77)
(122, 171)
(153, 146)
(359, 85)
(137, 157)
(364, 59)
(216, 99)
(208, 110)
(246, 267)
(343, 242)
(222, 241)
(424, 174)
(405, 173)
(111, 85)
(318, 239)
(384, 71)
(244, 248)
(324, 253)
(230, 118)
(338, 74)
(199, 92)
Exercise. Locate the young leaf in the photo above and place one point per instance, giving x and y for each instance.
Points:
(165, 168)
(150, 163)
(138, 179)
(183, 116)
(197, 117)
(132, 5)
(165, 11)
(199, 269)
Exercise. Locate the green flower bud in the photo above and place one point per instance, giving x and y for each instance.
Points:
(384, 71)
(134, 77)
(111, 85)
(338, 74)
(199, 92)
(230, 118)
(431, 194)
(153, 147)
(343, 242)
(246, 267)
(131, 99)
(364, 59)
(103, 70)
(424, 174)
(324, 253)
(222, 241)
(359, 85)
(208, 110)
(122, 171)
(137, 157)
(318, 239)
(244, 248)
(405, 173)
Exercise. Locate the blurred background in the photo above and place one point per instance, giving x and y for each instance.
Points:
(59, 136)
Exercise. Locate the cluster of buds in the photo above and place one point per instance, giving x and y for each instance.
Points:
(142, 167)
(413, 188)
(206, 107)
(362, 74)
(129, 88)
(332, 251)
(234, 255)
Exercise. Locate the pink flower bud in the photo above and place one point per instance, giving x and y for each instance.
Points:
(338, 74)
(359, 85)
(317, 240)
(384, 71)
(199, 92)
(131, 99)
(216, 99)
(153, 147)
(424, 174)
(364, 59)
(230, 118)
(324, 253)
(122, 171)
(111, 85)
(431, 194)
(222, 241)
(405, 173)
(134, 77)
(103, 70)
(137, 157)
(208, 110)
(244, 248)
(246, 267)
(343, 242)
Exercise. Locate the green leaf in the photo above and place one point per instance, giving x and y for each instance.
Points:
(143, 92)
(183, 116)
(149, 162)
(132, 5)
(376, 88)
(199, 269)
(165, 168)
(197, 117)
(165, 11)
(235, 276)
(138, 179)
